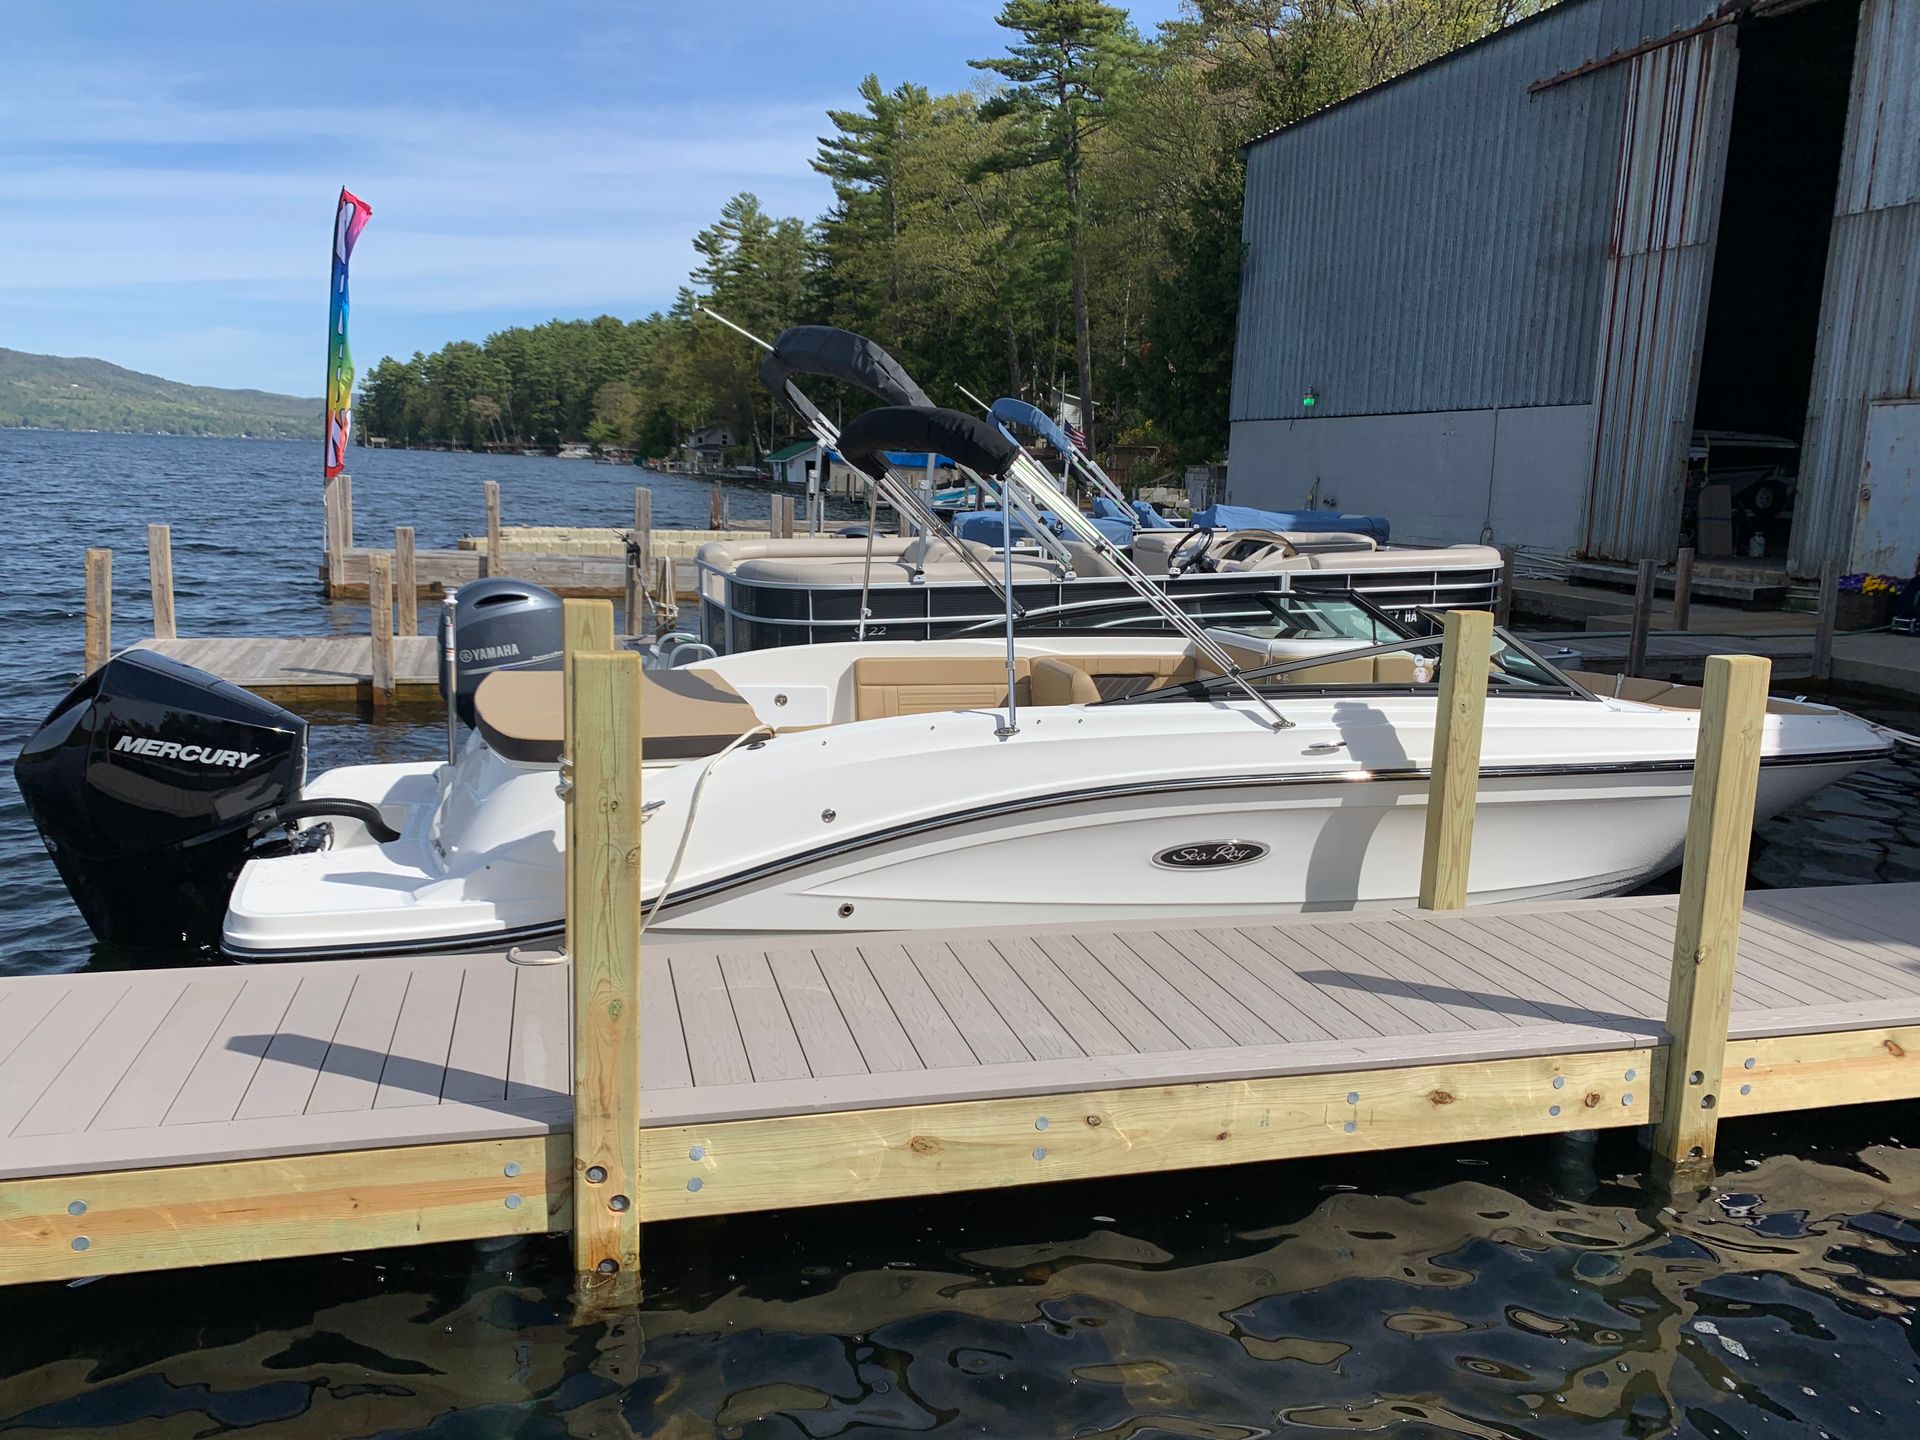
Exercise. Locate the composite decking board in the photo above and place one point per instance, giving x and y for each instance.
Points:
(1162, 996)
(37, 1061)
(153, 1079)
(1039, 1031)
(482, 1036)
(884, 1046)
(540, 1053)
(1633, 946)
(1507, 1005)
(1133, 1022)
(822, 1030)
(1509, 969)
(1758, 971)
(25, 1009)
(1858, 923)
(1343, 969)
(284, 1082)
(1085, 1024)
(984, 1028)
(663, 1048)
(1312, 1006)
(934, 1035)
(1240, 1022)
(1281, 1020)
(1599, 952)
(342, 662)
(774, 1051)
(1372, 1014)
(1526, 942)
(218, 1081)
(96, 1065)
(350, 1075)
(714, 1047)
(1900, 980)
(416, 1068)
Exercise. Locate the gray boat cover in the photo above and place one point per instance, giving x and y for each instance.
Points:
(981, 447)
(835, 355)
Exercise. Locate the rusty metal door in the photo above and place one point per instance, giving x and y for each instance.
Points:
(1673, 151)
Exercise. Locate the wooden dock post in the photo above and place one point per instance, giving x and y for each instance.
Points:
(643, 526)
(496, 561)
(1713, 884)
(1503, 608)
(1682, 587)
(406, 580)
(160, 579)
(1454, 788)
(603, 907)
(338, 500)
(380, 617)
(586, 629)
(780, 521)
(639, 560)
(1642, 619)
(99, 608)
(715, 512)
(1825, 620)
(666, 595)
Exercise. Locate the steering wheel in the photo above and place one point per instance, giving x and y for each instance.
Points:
(1203, 560)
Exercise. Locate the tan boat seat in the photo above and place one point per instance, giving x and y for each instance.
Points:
(1669, 696)
(927, 685)
(1056, 682)
(683, 714)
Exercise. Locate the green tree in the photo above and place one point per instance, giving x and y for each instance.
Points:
(1062, 73)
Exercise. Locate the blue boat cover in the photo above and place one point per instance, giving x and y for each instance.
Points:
(986, 527)
(1009, 411)
(1245, 517)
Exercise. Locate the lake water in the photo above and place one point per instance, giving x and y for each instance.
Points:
(1497, 1291)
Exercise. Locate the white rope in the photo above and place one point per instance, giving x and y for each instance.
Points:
(693, 809)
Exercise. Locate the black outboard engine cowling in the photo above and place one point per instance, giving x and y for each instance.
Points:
(146, 782)
(501, 624)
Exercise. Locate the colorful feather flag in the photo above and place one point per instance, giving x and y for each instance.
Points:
(348, 221)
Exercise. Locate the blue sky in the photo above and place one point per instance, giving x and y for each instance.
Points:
(171, 168)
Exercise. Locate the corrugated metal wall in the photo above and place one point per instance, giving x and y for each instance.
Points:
(1441, 243)
(1673, 152)
(1869, 345)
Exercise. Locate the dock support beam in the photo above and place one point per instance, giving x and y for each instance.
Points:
(586, 629)
(1454, 788)
(639, 560)
(1825, 620)
(406, 580)
(1642, 619)
(160, 579)
(99, 608)
(380, 626)
(496, 562)
(1683, 588)
(338, 497)
(603, 910)
(1713, 886)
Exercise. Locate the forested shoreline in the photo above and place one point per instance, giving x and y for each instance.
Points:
(1070, 223)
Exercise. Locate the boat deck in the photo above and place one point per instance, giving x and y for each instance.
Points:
(307, 667)
(1551, 1010)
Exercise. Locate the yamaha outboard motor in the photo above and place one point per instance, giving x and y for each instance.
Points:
(500, 624)
(150, 784)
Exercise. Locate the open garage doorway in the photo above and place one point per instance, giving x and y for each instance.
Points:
(1763, 313)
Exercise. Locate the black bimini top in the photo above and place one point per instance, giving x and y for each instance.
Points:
(981, 447)
(835, 354)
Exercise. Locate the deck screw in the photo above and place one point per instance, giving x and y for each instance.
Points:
(596, 1174)
(1353, 1097)
(513, 1169)
(1351, 1127)
(1696, 1078)
(698, 1152)
(618, 1203)
(1631, 1074)
(1553, 1110)
(1746, 1089)
(1559, 1082)
(513, 1202)
(608, 1266)
(695, 1183)
(1627, 1099)
(1041, 1123)
(1039, 1152)
(1747, 1063)
(78, 1207)
(80, 1242)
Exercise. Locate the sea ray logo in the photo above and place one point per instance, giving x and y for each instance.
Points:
(190, 754)
(1210, 854)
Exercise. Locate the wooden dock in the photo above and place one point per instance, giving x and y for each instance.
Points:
(188, 1117)
(171, 1107)
(314, 668)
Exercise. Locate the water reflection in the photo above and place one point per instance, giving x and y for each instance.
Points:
(1416, 1295)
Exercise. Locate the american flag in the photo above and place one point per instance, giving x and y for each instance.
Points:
(1077, 436)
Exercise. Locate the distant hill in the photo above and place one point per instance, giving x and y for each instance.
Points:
(53, 393)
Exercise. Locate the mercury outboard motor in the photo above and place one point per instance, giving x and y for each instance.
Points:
(151, 784)
(500, 624)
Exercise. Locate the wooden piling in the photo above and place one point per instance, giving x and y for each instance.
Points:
(1683, 588)
(380, 616)
(1642, 619)
(338, 496)
(496, 561)
(1503, 608)
(666, 595)
(780, 520)
(714, 511)
(1825, 620)
(586, 629)
(1454, 788)
(1713, 882)
(160, 579)
(99, 608)
(406, 580)
(643, 526)
(603, 905)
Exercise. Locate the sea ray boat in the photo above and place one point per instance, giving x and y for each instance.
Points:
(828, 790)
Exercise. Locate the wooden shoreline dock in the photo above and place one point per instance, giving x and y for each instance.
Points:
(187, 1117)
